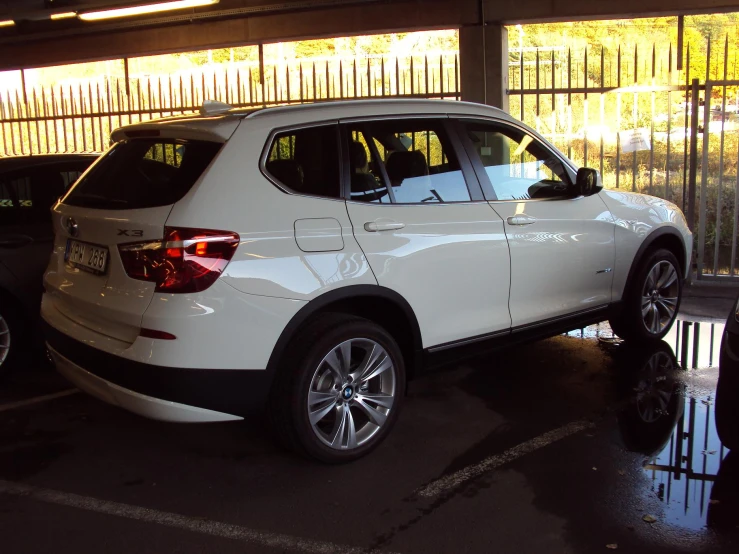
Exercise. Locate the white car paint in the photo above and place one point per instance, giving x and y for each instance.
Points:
(562, 256)
(459, 266)
(636, 216)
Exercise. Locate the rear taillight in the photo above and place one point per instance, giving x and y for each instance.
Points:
(186, 260)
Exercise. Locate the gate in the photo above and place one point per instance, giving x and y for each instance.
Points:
(719, 202)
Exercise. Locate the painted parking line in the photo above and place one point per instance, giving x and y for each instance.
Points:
(168, 519)
(435, 488)
(36, 400)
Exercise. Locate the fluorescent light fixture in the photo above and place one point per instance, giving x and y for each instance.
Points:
(145, 9)
(65, 15)
(7, 23)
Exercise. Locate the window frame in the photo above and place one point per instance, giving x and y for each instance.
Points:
(264, 158)
(458, 122)
(469, 175)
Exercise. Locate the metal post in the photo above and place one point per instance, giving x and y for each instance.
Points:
(704, 180)
(692, 175)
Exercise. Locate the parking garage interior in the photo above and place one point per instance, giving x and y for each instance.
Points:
(580, 442)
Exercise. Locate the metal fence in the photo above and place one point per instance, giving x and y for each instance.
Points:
(629, 113)
(80, 117)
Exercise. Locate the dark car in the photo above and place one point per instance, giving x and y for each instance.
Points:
(29, 186)
(727, 390)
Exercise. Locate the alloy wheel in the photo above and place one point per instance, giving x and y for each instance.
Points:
(660, 296)
(4, 340)
(351, 394)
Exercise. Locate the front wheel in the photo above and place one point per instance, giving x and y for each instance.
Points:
(340, 393)
(652, 299)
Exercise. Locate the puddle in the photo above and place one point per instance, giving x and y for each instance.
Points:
(670, 419)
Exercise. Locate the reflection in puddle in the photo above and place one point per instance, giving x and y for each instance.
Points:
(673, 423)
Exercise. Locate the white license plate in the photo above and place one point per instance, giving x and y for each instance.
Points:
(87, 256)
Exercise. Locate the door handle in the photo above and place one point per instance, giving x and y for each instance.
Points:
(522, 219)
(382, 225)
(14, 241)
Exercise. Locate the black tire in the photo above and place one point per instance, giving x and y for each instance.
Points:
(629, 323)
(304, 362)
(11, 333)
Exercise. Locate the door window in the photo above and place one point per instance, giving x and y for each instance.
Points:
(518, 166)
(404, 162)
(306, 161)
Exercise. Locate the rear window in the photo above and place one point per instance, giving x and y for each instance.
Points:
(143, 173)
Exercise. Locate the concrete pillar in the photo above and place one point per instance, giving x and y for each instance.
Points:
(483, 61)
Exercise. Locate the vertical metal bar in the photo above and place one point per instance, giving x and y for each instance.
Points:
(300, 76)
(275, 85)
(692, 179)
(585, 108)
(382, 74)
(618, 117)
(735, 220)
(369, 77)
(313, 70)
(704, 182)
(569, 103)
(84, 134)
(520, 84)
(651, 133)
(341, 79)
(456, 78)
(635, 115)
(441, 75)
(413, 79)
(694, 99)
(684, 350)
(261, 71)
(602, 106)
(328, 86)
(696, 344)
(287, 83)
(426, 74)
(356, 82)
(720, 190)
(538, 96)
(710, 348)
(680, 35)
(554, 104)
(668, 191)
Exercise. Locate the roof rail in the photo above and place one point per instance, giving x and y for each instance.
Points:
(212, 107)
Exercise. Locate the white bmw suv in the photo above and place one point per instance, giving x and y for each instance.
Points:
(308, 260)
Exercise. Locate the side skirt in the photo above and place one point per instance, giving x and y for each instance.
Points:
(445, 354)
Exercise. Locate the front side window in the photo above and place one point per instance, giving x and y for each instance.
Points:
(407, 162)
(519, 166)
(306, 161)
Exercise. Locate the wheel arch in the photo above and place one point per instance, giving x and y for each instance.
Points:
(379, 304)
(664, 237)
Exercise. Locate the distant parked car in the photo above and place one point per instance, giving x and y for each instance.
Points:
(727, 391)
(29, 186)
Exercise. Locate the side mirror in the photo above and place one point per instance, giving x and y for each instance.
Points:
(588, 182)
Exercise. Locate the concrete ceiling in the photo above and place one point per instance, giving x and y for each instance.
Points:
(36, 40)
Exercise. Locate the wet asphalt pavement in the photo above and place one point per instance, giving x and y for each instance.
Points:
(572, 444)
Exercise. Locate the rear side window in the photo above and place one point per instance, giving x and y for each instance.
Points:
(143, 173)
(306, 161)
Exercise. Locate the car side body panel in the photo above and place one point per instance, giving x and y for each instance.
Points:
(637, 218)
(269, 260)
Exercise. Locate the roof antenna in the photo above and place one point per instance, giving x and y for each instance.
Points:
(211, 107)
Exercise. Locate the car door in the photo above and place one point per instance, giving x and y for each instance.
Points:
(561, 245)
(420, 218)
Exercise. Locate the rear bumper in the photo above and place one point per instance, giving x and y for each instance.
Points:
(158, 392)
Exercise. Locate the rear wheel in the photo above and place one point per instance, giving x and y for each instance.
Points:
(9, 335)
(651, 300)
(339, 395)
